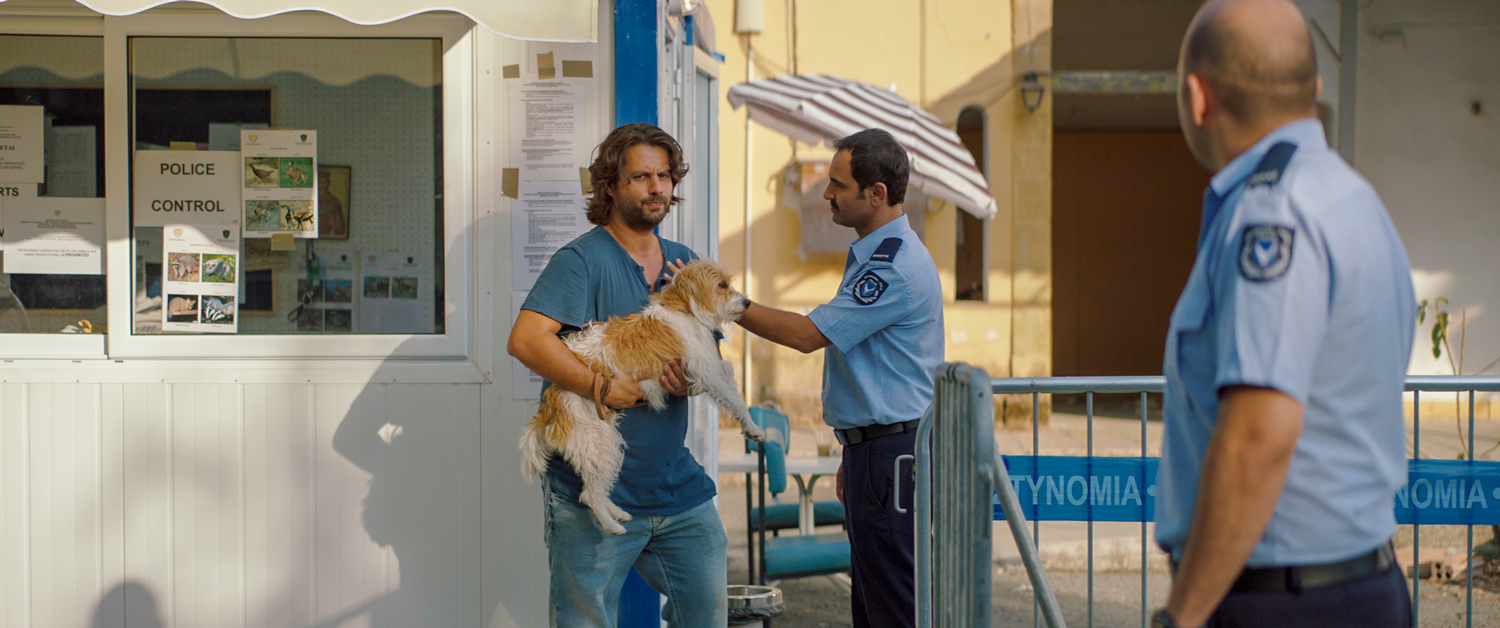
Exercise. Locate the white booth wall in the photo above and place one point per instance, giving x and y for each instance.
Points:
(294, 491)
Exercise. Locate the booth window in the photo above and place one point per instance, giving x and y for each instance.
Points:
(58, 80)
(372, 261)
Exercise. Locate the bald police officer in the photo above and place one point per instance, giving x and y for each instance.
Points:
(1284, 441)
(884, 337)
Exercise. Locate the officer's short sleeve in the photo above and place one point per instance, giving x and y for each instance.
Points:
(561, 292)
(1275, 282)
(877, 298)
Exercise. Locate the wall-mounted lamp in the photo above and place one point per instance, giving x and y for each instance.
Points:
(1032, 91)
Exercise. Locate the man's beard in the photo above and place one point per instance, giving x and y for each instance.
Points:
(635, 216)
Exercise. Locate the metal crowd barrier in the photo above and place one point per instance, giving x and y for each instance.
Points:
(957, 435)
(953, 516)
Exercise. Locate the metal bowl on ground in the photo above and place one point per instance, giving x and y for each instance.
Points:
(750, 603)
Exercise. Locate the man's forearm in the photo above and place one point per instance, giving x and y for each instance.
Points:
(548, 357)
(1239, 485)
(784, 328)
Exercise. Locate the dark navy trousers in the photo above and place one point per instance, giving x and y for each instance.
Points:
(881, 540)
(1376, 601)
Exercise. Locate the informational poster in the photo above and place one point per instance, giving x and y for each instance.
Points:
(389, 284)
(22, 144)
(547, 127)
(226, 135)
(329, 306)
(547, 215)
(200, 278)
(12, 190)
(186, 186)
(280, 188)
(72, 161)
(526, 384)
(54, 236)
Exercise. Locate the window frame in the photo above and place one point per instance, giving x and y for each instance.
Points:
(458, 183)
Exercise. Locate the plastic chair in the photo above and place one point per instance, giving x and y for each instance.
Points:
(790, 556)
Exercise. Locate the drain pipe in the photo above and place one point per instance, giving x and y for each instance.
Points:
(749, 152)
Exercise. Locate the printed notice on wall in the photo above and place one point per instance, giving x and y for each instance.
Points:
(186, 186)
(525, 383)
(388, 284)
(12, 190)
(280, 173)
(54, 236)
(547, 215)
(547, 127)
(201, 275)
(72, 161)
(21, 144)
(327, 295)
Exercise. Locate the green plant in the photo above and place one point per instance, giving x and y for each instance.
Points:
(1441, 323)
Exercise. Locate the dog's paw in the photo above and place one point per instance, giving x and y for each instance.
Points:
(753, 432)
(612, 527)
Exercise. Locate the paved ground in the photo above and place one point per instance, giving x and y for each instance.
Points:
(823, 602)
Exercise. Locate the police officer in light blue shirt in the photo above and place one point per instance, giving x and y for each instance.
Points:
(883, 334)
(886, 330)
(1284, 440)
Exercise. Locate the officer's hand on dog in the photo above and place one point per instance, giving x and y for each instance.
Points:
(673, 380)
(625, 392)
(673, 267)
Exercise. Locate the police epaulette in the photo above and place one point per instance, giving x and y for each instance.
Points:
(1269, 170)
(887, 250)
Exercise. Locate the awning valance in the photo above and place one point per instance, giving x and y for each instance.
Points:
(815, 108)
(537, 20)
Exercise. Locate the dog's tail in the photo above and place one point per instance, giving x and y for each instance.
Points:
(545, 433)
(533, 454)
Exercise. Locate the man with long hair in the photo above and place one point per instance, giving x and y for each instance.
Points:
(675, 539)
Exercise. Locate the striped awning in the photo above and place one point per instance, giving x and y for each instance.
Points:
(817, 108)
(544, 20)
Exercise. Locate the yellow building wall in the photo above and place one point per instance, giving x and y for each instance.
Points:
(944, 55)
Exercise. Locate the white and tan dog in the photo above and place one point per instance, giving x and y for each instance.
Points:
(678, 324)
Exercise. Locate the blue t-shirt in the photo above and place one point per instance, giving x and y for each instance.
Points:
(1301, 285)
(589, 280)
(886, 326)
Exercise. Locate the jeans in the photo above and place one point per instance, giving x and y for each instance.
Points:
(681, 556)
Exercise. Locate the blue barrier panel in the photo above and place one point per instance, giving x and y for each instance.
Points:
(1055, 488)
(1058, 488)
(1450, 492)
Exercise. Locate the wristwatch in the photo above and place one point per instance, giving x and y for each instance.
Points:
(1160, 619)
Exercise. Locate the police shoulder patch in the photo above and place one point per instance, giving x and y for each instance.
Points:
(868, 288)
(1265, 251)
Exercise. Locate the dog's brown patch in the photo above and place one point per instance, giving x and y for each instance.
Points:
(639, 344)
(551, 421)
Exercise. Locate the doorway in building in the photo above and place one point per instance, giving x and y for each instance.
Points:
(1126, 206)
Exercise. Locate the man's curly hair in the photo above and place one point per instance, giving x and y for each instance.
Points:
(605, 171)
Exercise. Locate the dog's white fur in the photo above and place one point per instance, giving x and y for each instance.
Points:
(593, 446)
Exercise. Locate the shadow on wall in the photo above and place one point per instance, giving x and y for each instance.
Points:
(420, 445)
(127, 604)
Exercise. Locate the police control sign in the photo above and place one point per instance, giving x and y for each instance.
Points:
(186, 187)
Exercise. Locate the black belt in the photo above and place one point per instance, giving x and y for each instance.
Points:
(857, 435)
(1314, 576)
